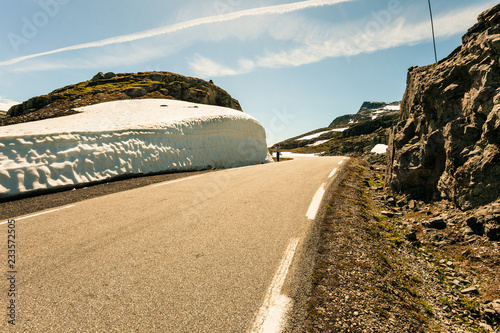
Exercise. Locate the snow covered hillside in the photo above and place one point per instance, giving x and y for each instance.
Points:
(317, 135)
(365, 132)
(126, 137)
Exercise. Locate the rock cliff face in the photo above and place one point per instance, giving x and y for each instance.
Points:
(111, 87)
(447, 138)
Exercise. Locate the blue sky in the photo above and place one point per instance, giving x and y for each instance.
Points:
(293, 65)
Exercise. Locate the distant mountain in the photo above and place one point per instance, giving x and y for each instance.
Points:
(368, 111)
(352, 134)
(112, 87)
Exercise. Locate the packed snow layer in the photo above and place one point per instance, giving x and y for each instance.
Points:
(388, 108)
(318, 143)
(317, 135)
(378, 113)
(339, 129)
(288, 154)
(393, 107)
(126, 137)
(379, 149)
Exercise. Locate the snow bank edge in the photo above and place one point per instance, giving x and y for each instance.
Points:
(31, 164)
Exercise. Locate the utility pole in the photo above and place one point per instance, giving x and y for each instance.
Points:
(433, 35)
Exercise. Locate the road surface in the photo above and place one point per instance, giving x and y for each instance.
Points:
(208, 253)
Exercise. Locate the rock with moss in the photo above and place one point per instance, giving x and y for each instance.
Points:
(111, 87)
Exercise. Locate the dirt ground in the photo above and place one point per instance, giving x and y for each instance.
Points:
(376, 271)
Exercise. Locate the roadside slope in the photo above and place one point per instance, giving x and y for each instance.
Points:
(378, 270)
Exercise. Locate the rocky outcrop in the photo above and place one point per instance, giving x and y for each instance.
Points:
(360, 138)
(111, 87)
(370, 126)
(367, 112)
(446, 142)
(350, 135)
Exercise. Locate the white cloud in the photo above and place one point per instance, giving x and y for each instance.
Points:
(6, 103)
(335, 41)
(277, 9)
(301, 40)
(208, 68)
(98, 60)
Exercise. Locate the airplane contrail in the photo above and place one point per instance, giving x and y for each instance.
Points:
(277, 9)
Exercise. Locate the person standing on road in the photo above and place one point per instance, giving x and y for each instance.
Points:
(278, 153)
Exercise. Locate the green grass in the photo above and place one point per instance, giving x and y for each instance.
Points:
(379, 218)
(85, 89)
(416, 280)
(394, 239)
(467, 304)
(176, 82)
(381, 312)
(446, 301)
(197, 90)
(428, 309)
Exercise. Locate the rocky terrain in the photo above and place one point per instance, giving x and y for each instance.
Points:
(446, 142)
(111, 87)
(389, 263)
(368, 111)
(360, 138)
(349, 135)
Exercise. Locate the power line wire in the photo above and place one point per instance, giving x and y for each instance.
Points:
(433, 35)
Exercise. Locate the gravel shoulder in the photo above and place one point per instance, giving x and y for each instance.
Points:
(379, 269)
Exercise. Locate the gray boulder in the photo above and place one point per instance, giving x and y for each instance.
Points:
(447, 140)
(135, 92)
(435, 223)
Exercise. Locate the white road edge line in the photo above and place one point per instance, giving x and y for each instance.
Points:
(176, 181)
(271, 315)
(340, 163)
(333, 173)
(316, 202)
(38, 214)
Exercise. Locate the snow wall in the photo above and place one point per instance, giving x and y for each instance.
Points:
(120, 138)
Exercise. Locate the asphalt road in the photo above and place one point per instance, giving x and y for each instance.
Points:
(193, 255)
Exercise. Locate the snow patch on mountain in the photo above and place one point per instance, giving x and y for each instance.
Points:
(393, 107)
(317, 135)
(318, 143)
(379, 149)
